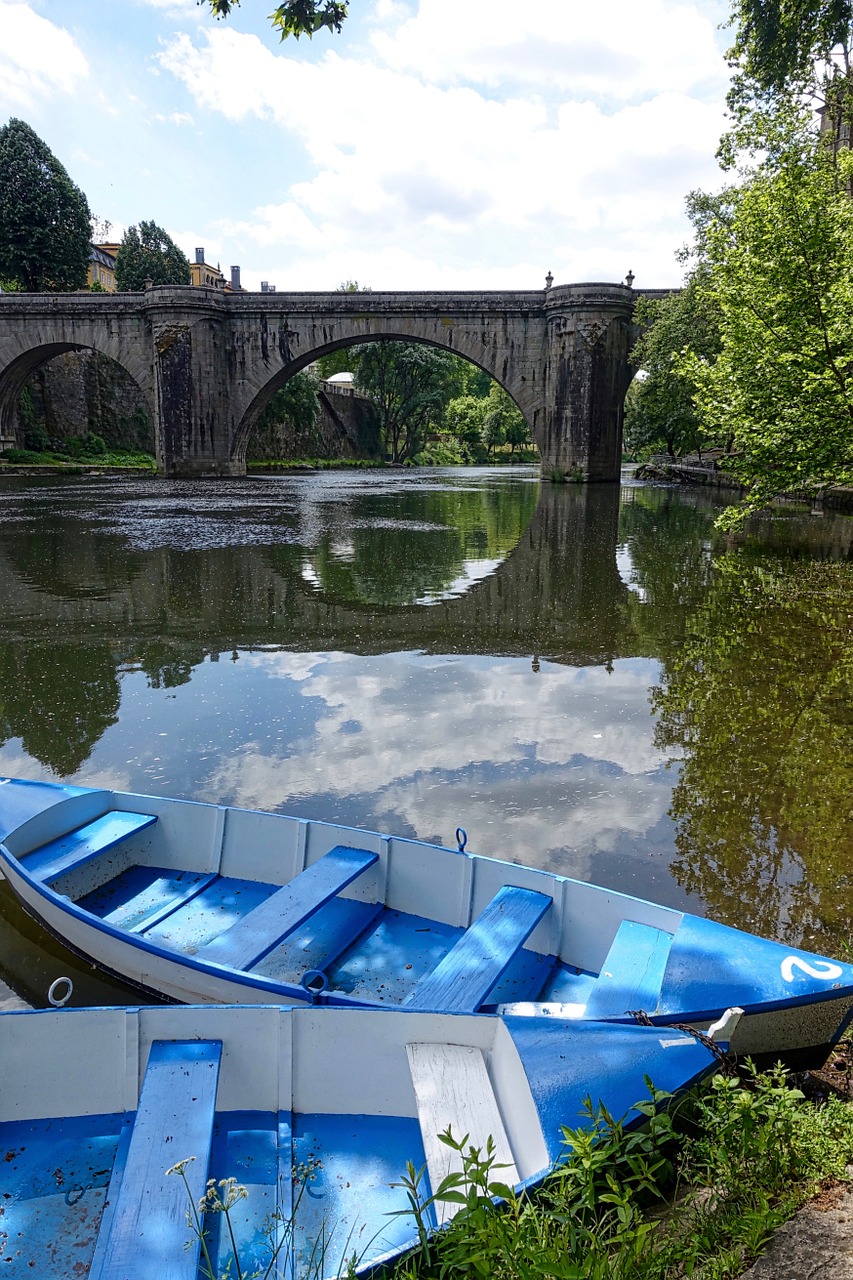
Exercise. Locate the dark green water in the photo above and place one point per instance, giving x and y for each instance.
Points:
(587, 679)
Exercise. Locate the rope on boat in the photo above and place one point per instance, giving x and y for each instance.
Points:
(640, 1016)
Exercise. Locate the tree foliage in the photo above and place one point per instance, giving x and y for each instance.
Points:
(778, 42)
(778, 267)
(660, 412)
(295, 404)
(411, 384)
(45, 224)
(296, 17)
(147, 252)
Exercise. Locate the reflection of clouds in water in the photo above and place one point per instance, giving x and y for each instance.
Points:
(473, 571)
(443, 713)
(531, 764)
(15, 763)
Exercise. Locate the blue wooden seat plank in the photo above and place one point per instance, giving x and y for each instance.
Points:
(469, 971)
(146, 1228)
(72, 850)
(632, 974)
(266, 925)
(320, 941)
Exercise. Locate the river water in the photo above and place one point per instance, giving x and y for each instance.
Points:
(587, 679)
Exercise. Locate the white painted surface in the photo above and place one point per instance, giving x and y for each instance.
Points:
(453, 1092)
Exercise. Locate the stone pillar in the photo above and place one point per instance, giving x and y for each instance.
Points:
(189, 333)
(586, 377)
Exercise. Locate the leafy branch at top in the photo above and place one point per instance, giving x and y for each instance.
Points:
(296, 17)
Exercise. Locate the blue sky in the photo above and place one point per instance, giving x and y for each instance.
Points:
(432, 144)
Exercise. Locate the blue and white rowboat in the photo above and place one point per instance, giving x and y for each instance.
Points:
(315, 1111)
(198, 903)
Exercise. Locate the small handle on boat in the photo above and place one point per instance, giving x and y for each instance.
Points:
(314, 982)
(461, 838)
(59, 1001)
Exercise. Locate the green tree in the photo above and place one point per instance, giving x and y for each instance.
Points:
(503, 421)
(411, 384)
(778, 269)
(777, 42)
(147, 252)
(660, 412)
(45, 224)
(294, 405)
(465, 417)
(296, 17)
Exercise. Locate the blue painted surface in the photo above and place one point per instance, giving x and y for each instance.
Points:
(385, 964)
(568, 985)
(632, 973)
(142, 896)
(463, 979)
(249, 940)
(318, 943)
(216, 909)
(568, 1060)
(246, 1147)
(342, 1193)
(53, 1184)
(77, 847)
(21, 800)
(524, 979)
(712, 967)
(113, 1193)
(174, 1120)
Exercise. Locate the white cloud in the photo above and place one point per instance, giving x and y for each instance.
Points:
(37, 58)
(175, 117)
(448, 180)
(616, 52)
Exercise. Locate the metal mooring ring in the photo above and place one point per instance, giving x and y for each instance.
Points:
(59, 1001)
(314, 982)
(461, 838)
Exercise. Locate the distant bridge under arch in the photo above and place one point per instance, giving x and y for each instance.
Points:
(208, 362)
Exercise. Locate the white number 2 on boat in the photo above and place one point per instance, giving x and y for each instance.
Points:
(816, 969)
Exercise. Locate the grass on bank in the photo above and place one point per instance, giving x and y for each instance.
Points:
(77, 452)
(697, 1191)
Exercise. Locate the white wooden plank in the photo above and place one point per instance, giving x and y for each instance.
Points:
(453, 1089)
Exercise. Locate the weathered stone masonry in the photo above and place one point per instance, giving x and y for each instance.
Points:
(207, 363)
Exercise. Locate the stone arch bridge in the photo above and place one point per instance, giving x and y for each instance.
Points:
(207, 362)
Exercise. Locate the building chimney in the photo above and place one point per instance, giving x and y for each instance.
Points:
(235, 279)
(199, 255)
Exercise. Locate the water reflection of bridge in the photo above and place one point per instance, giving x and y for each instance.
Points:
(558, 595)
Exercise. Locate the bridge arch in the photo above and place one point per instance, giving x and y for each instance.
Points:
(29, 341)
(243, 430)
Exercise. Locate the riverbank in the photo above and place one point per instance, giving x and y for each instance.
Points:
(689, 471)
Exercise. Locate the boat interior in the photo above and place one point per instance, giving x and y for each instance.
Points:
(373, 919)
(319, 1139)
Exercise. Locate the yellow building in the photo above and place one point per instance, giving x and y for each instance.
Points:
(102, 266)
(203, 274)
